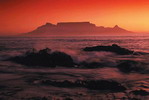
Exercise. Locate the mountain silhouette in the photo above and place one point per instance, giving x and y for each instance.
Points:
(77, 28)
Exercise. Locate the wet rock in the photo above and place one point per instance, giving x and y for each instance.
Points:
(128, 66)
(62, 59)
(44, 58)
(67, 84)
(133, 99)
(68, 99)
(45, 51)
(112, 86)
(37, 98)
(2, 87)
(11, 91)
(102, 85)
(91, 65)
(114, 48)
(140, 92)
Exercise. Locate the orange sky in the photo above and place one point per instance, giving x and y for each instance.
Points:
(18, 16)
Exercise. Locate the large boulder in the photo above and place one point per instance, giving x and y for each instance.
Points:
(44, 58)
(114, 48)
(108, 85)
(61, 59)
(101, 85)
(128, 66)
(91, 65)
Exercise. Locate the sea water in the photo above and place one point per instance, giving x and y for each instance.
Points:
(14, 75)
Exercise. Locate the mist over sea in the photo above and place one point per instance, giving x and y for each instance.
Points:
(15, 76)
(16, 45)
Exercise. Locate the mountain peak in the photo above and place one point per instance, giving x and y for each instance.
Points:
(116, 26)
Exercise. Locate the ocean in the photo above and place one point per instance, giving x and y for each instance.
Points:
(21, 82)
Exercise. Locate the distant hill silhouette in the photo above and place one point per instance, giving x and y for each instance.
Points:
(77, 28)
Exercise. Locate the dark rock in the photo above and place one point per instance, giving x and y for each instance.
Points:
(128, 66)
(140, 92)
(67, 84)
(37, 98)
(112, 86)
(114, 48)
(134, 99)
(62, 59)
(140, 53)
(2, 87)
(91, 65)
(45, 51)
(102, 85)
(68, 99)
(44, 58)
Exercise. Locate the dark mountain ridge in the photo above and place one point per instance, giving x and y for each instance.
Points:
(77, 28)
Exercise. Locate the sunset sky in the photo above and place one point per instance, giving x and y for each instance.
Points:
(20, 16)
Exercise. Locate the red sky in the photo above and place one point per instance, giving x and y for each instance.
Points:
(19, 16)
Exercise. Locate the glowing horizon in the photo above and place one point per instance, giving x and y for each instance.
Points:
(20, 16)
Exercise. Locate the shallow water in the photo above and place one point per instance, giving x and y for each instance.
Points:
(15, 76)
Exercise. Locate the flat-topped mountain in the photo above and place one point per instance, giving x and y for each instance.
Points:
(77, 28)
